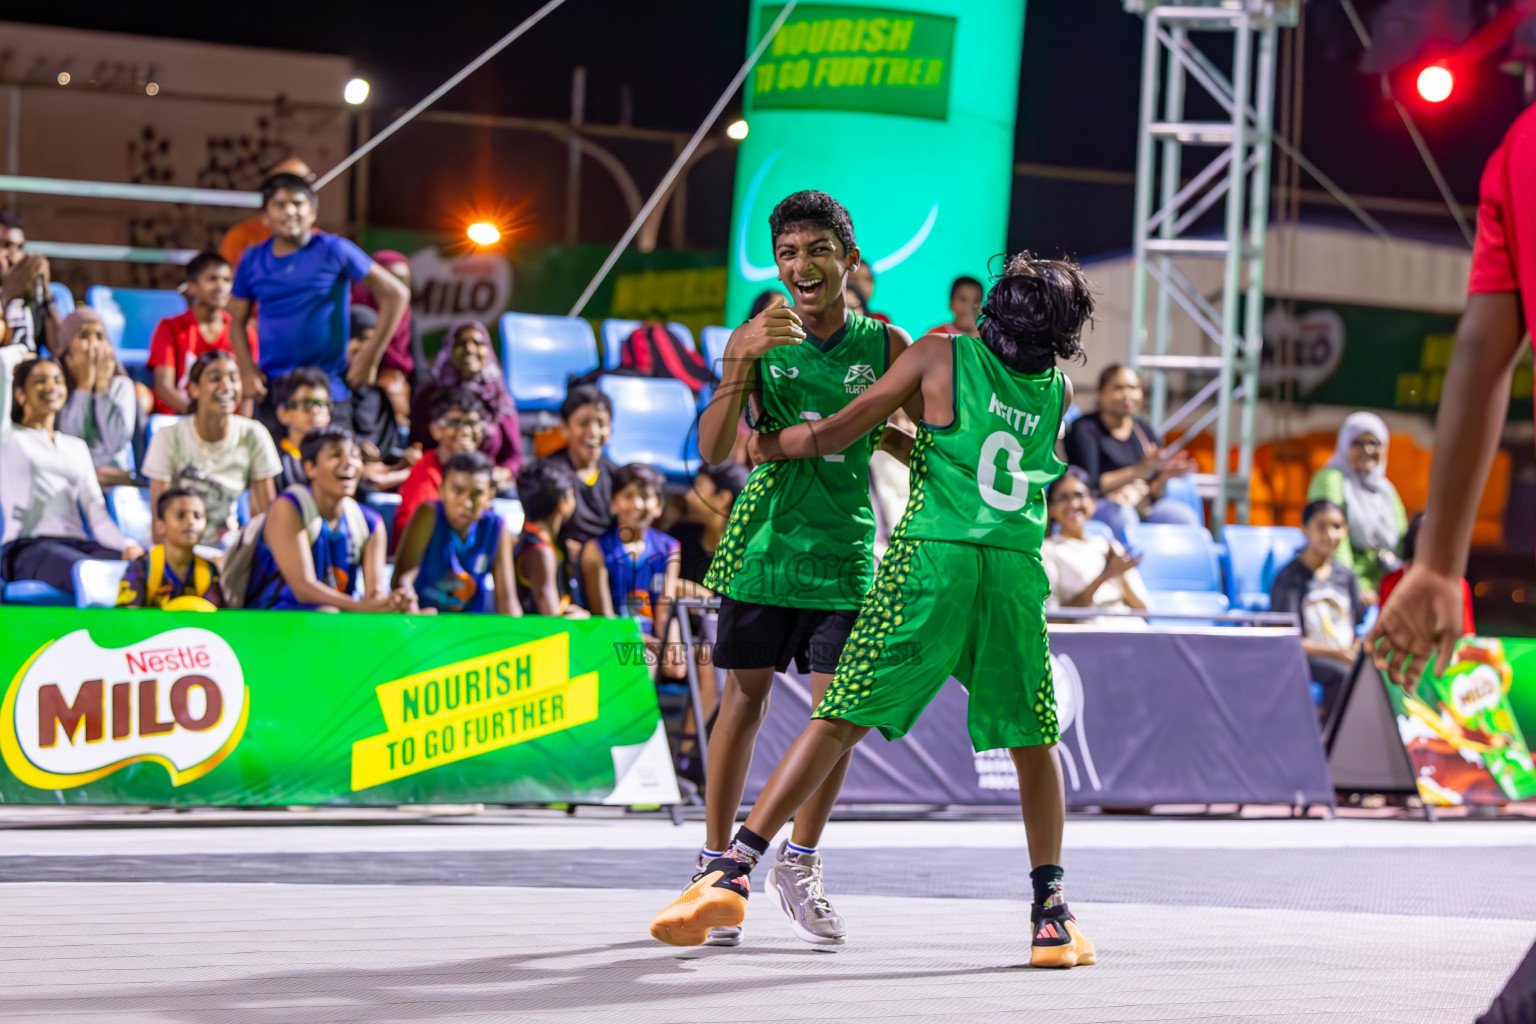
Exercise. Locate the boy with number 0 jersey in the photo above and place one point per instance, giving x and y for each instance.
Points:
(797, 555)
(961, 591)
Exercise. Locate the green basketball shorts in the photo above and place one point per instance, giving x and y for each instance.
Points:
(940, 609)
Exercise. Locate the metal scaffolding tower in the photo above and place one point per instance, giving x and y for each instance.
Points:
(1238, 176)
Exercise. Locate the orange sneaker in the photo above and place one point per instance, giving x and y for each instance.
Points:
(716, 899)
(1057, 941)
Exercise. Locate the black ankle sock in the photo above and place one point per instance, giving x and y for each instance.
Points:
(747, 846)
(1048, 889)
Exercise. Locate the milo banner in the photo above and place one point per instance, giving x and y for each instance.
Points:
(181, 709)
(1340, 354)
(1212, 716)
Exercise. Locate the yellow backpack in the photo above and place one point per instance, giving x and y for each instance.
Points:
(202, 577)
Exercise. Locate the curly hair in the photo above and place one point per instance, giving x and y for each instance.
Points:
(1035, 313)
(816, 208)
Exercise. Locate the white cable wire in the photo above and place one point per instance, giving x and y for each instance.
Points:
(681, 161)
(433, 96)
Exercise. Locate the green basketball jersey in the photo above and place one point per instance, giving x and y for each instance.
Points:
(801, 533)
(982, 479)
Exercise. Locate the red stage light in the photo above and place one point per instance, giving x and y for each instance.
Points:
(1435, 83)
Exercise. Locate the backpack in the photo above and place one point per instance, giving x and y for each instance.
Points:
(654, 351)
(202, 577)
(235, 570)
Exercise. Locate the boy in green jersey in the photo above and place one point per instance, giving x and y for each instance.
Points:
(797, 555)
(961, 591)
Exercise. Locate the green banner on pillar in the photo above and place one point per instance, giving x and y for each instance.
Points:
(253, 708)
(904, 111)
(856, 58)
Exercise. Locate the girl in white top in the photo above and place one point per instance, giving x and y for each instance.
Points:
(102, 408)
(1087, 570)
(51, 500)
(213, 452)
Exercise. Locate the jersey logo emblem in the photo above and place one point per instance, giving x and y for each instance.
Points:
(860, 376)
(791, 373)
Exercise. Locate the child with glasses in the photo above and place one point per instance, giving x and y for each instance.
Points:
(457, 425)
(303, 403)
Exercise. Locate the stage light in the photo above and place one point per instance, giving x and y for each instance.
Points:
(63, 77)
(356, 91)
(484, 233)
(1435, 83)
(737, 130)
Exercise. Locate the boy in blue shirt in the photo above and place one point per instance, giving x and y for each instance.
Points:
(302, 280)
(455, 546)
(316, 539)
(633, 569)
(171, 570)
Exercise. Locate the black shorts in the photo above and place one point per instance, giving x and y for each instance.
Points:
(769, 635)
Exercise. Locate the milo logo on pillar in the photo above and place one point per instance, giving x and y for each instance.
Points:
(77, 712)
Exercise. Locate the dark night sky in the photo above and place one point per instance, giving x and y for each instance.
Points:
(1077, 102)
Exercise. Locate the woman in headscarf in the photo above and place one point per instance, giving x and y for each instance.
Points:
(467, 359)
(1355, 479)
(102, 408)
(397, 363)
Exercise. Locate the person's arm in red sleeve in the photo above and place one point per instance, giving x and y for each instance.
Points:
(1421, 626)
(164, 364)
(422, 485)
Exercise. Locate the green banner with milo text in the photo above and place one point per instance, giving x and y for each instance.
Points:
(261, 708)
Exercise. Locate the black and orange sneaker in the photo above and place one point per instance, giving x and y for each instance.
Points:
(1057, 941)
(716, 899)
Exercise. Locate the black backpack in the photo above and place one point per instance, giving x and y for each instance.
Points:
(654, 351)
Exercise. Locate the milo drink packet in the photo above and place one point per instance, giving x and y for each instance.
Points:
(1465, 716)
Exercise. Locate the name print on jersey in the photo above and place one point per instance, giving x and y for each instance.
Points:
(1018, 419)
(860, 376)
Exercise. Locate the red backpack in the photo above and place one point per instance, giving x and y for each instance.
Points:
(654, 351)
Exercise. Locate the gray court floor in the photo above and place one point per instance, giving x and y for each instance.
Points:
(541, 921)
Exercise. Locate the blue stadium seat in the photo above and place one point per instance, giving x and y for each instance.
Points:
(1183, 490)
(96, 582)
(712, 343)
(158, 421)
(615, 331)
(1094, 528)
(652, 421)
(540, 352)
(130, 509)
(1185, 602)
(511, 512)
(1253, 555)
(36, 593)
(1177, 557)
(386, 504)
(130, 316)
(63, 301)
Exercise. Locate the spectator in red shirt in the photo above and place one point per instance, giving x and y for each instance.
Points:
(457, 425)
(1418, 630)
(179, 340)
(965, 297)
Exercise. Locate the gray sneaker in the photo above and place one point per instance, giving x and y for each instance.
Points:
(796, 881)
(726, 935)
